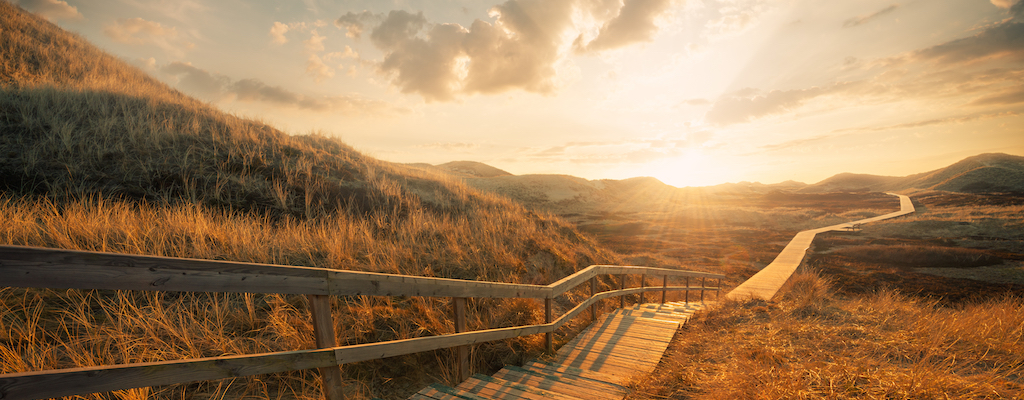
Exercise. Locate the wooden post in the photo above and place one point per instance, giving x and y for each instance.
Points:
(702, 289)
(461, 352)
(643, 284)
(622, 285)
(323, 330)
(687, 289)
(548, 337)
(718, 292)
(664, 285)
(593, 291)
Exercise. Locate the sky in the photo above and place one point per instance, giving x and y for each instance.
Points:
(694, 92)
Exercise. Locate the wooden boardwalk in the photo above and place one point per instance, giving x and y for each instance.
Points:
(767, 282)
(594, 365)
(626, 342)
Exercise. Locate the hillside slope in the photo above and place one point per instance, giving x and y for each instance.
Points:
(96, 155)
(990, 172)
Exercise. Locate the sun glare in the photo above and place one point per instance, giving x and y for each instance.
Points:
(694, 168)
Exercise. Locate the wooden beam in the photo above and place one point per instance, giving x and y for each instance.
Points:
(462, 352)
(323, 331)
(548, 337)
(72, 381)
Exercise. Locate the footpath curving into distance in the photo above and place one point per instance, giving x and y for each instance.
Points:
(627, 342)
(596, 364)
(767, 282)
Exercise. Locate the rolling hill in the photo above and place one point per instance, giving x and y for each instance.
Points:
(97, 155)
(991, 172)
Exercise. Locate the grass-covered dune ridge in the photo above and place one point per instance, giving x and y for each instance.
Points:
(96, 155)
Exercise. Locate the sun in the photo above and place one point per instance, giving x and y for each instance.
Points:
(692, 168)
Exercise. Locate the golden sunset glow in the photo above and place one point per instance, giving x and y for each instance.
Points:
(695, 92)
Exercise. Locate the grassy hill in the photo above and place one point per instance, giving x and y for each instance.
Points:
(97, 155)
(991, 172)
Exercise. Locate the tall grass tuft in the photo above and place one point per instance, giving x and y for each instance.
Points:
(811, 344)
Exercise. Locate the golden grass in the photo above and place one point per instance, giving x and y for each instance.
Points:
(96, 155)
(810, 344)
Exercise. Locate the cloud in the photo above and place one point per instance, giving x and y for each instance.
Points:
(633, 24)
(1011, 96)
(735, 17)
(217, 87)
(138, 31)
(196, 80)
(748, 104)
(525, 47)
(1004, 39)
(316, 67)
(52, 9)
(315, 42)
(355, 23)
(277, 33)
(860, 20)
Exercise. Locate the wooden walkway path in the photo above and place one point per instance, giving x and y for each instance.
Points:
(767, 282)
(626, 342)
(594, 365)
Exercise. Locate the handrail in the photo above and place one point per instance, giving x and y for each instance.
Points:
(22, 266)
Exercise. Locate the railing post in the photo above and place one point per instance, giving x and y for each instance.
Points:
(718, 292)
(643, 284)
(461, 352)
(593, 291)
(548, 337)
(323, 330)
(622, 285)
(702, 289)
(664, 286)
(687, 289)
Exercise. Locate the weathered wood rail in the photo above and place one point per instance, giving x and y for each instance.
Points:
(69, 269)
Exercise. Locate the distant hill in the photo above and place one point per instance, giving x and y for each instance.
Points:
(473, 169)
(991, 172)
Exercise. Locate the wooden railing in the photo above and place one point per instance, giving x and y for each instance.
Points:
(51, 268)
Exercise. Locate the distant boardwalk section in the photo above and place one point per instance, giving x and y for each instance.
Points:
(767, 282)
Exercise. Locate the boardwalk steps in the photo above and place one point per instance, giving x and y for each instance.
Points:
(593, 365)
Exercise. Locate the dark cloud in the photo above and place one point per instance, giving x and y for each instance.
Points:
(856, 21)
(634, 24)
(355, 23)
(216, 87)
(196, 80)
(1012, 96)
(1005, 39)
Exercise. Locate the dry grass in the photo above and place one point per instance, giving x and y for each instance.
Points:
(95, 155)
(920, 256)
(811, 344)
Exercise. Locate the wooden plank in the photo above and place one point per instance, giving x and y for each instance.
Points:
(323, 332)
(631, 345)
(56, 268)
(565, 369)
(352, 283)
(442, 392)
(568, 377)
(551, 383)
(67, 382)
(495, 388)
(632, 363)
(71, 269)
(462, 352)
